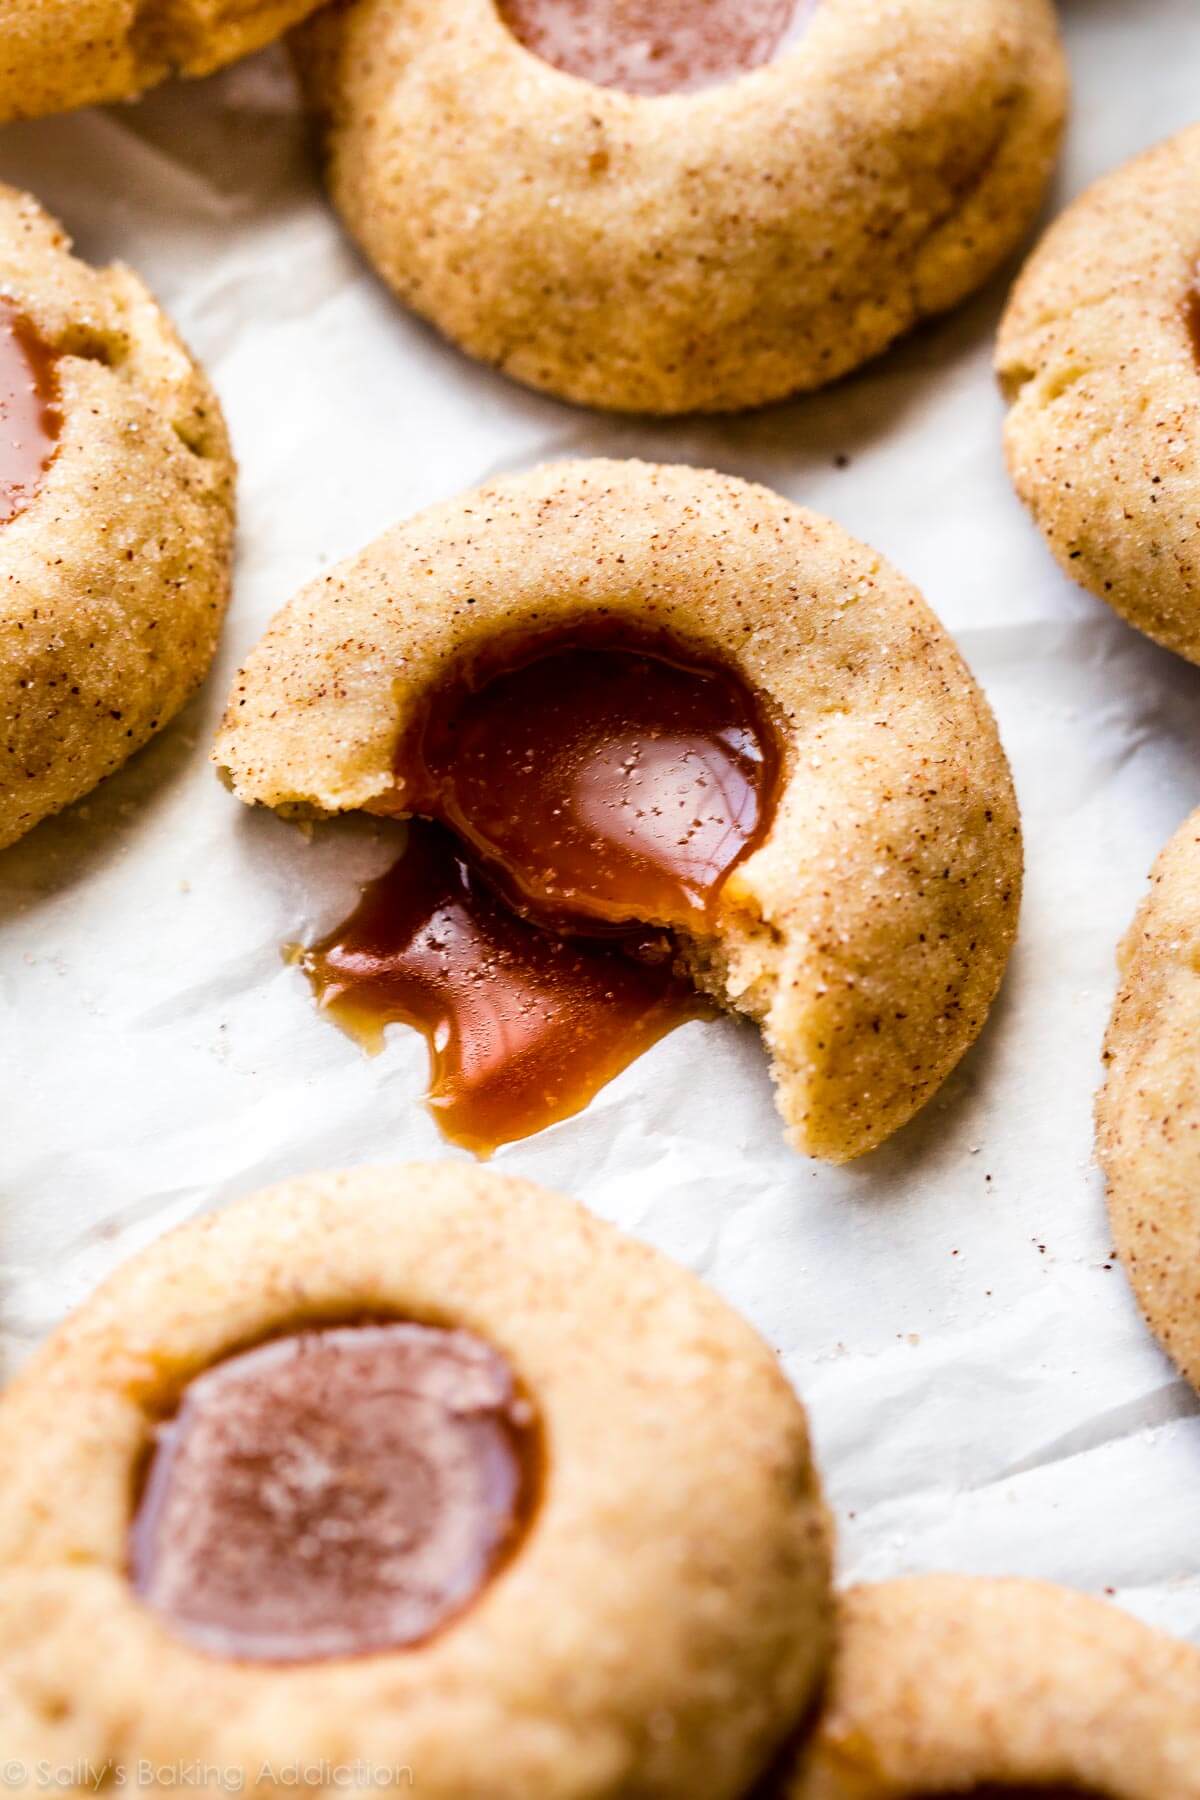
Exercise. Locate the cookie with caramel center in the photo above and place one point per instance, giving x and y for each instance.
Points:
(415, 1469)
(116, 518)
(669, 208)
(866, 923)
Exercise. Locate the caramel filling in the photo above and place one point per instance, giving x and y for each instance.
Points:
(599, 793)
(1192, 315)
(334, 1492)
(1015, 1793)
(30, 419)
(656, 46)
(598, 782)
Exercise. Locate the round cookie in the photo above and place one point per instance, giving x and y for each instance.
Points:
(679, 251)
(59, 54)
(116, 502)
(661, 1614)
(949, 1685)
(1148, 1111)
(1099, 357)
(869, 931)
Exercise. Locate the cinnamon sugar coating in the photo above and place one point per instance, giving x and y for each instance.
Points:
(1099, 355)
(1148, 1111)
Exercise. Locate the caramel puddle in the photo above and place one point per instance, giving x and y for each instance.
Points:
(524, 1027)
(578, 802)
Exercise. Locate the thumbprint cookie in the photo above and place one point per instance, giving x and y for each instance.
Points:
(1099, 355)
(116, 518)
(417, 1471)
(665, 739)
(689, 206)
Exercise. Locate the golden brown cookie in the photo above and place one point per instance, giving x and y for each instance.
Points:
(868, 932)
(58, 54)
(669, 252)
(948, 1685)
(116, 518)
(1148, 1111)
(567, 1504)
(1099, 356)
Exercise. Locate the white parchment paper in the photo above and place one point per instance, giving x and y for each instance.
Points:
(984, 1395)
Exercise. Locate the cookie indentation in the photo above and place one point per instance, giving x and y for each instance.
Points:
(333, 1492)
(656, 46)
(1192, 314)
(600, 780)
(30, 417)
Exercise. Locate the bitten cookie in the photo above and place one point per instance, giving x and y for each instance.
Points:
(1099, 356)
(413, 1469)
(648, 210)
(949, 1685)
(59, 54)
(1148, 1111)
(868, 931)
(116, 518)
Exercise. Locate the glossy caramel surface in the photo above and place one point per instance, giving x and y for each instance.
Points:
(599, 781)
(30, 419)
(654, 46)
(333, 1492)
